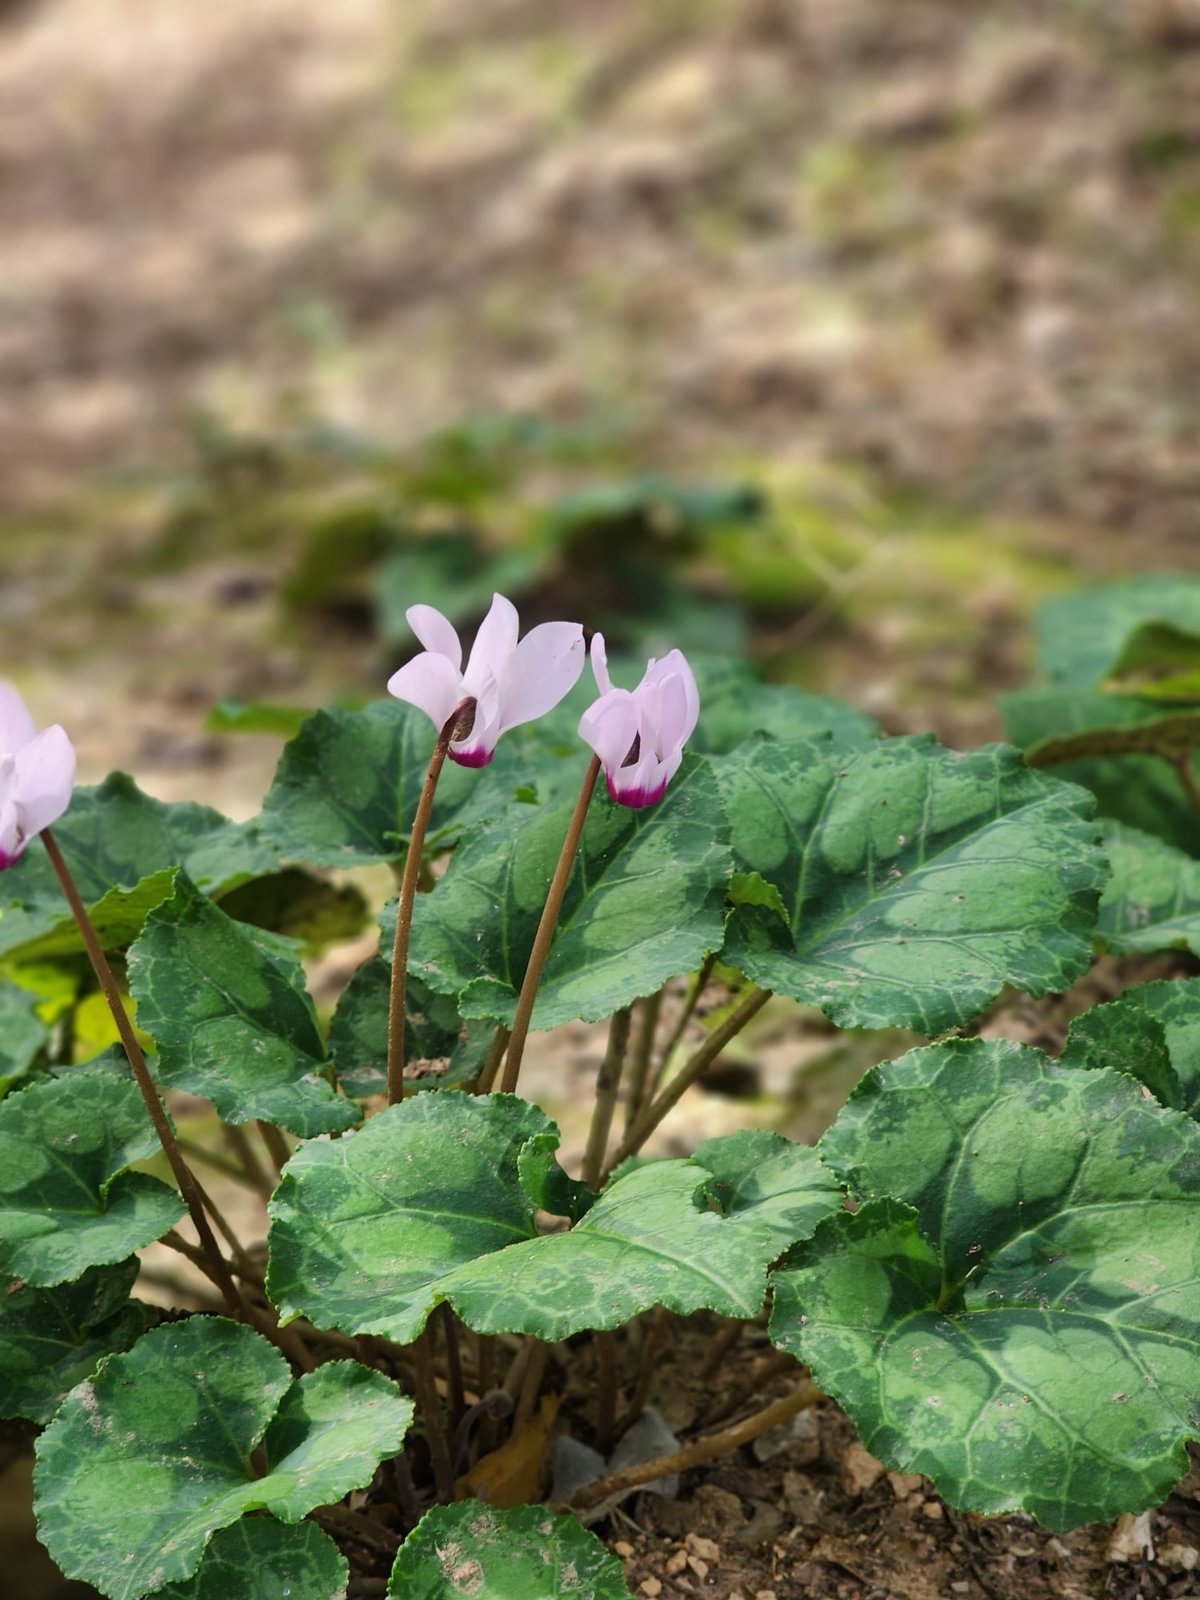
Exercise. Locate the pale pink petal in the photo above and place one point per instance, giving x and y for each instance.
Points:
(675, 665)
(436, 633)
(16, 725)
(475, 748)
(610, 726)
(431, 683)
(11, 842)
(545, 667)
(43, 778)
(494, 645)
(675, 713)
(600, 664)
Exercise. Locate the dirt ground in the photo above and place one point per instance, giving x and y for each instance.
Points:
(935, 255)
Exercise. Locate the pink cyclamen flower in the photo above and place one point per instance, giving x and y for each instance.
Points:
(505, 682)
(639, 734)
(37, 775)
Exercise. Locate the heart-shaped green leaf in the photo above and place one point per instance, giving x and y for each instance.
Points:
(231, 1017)
(144, 1463)
(645, 901)
(917, 880)
(120, 846)
(1152, 901)
(524, 1554)
(51, 1339)
(67, 1198)
(348, 784)
(1014, 1311)
(365, 1227)
(682, 1234)
(259, 1559)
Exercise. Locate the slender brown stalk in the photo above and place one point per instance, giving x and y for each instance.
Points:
(651, 1345)
(277, 1145)
(1187, 776)
(491, 1066)
(454, 1371)
(751, 1002)
(545, 932)
(706, 1448)
(606, 1389)
(607, 1083)
(188, 1187)
(253, 1171)
(485, 1367)
(531, 1382)
(430, 1404)
(690, 1001)
(404, 911)
(643, 1049)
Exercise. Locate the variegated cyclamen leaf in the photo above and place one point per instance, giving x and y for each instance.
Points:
(917, 881)
(121, 846)
(51, 1339)
(68, 1200)
(1014, 1309)
(682, 1234)
(1152, 901)
(527, 1553)
(231, 1017)
(22, 1033)
(645, 901)
(433, 1032)
(735, 704)
(151, 1457)
(261, 1559)
(1152, 1031)
(364, 1228)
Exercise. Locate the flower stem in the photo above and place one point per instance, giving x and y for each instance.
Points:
(607, 1083)
(404, 911)
(491, 1066)
(607, 1380)
(430, 1405)
(643, 1049)
(188, 1187)
(545, 932)
(706, 1448)
(752, 1001)
(277, 1147)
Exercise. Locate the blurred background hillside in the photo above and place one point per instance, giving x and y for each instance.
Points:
(879, 317)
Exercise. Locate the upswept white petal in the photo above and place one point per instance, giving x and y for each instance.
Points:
(431, 683)
(44, 777)
(436, 633)
(674, 665)
(600, 664)
(16, 725)
(610, 726)
(11, 841)
(545, 667)
(493, 648)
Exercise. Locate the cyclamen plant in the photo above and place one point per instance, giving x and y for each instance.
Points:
(1008, 1304)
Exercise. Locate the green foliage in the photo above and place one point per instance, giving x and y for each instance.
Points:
(22, 1033)
(261, 1559)
(68, 1200)
(1084, 637)
(735, 703)
(231, 1017)
(1152, 1032)
(1152, 901)
(1124, 749)
(523, 1554)
(364, 1228)
(234, 715)
(433, 1031)
(51, 1339)
(1014, 1309)
(916, 881)
(144, 1463)
(348, 785)
(682, 1234)
(645, 901)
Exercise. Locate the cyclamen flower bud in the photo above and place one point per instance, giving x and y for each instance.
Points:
(505, 682)
(639, 734)
(37, 775)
